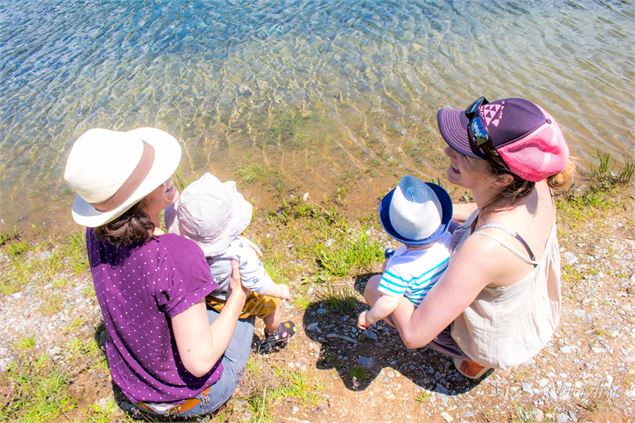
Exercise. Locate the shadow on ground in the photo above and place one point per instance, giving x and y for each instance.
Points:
(359, 356)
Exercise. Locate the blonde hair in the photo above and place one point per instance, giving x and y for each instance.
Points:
(561, 182)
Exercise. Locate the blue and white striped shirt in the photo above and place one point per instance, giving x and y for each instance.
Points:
(412, 273)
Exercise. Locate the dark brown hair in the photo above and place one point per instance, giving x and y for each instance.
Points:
(132, 227)
(520, 188)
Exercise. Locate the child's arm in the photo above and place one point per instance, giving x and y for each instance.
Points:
(253, 273)
(385, 305)
(278, 290)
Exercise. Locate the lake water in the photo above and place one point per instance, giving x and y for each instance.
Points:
(320, 96)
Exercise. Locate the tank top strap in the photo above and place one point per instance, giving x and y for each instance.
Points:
(532, 257)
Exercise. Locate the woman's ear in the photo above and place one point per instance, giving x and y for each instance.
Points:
(503, 180)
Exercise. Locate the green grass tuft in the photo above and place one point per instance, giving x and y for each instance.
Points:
(298, 385)
(40, 387)
(601, 194)
(359, 373)
(345, 255)
(250, 173)
(17, 248)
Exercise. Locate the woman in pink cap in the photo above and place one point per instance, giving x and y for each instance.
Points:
(498, 302)
(167, 353)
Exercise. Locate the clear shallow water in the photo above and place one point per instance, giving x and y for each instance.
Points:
(303, 95)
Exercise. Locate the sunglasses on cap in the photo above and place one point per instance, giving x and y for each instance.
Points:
(478, 135)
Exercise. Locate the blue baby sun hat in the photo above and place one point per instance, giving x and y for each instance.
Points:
(415, 212)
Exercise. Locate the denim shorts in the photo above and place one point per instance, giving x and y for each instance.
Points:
(234, 361)
(445, 344)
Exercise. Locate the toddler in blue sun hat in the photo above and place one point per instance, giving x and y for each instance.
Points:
(214, 214)
(418, 215)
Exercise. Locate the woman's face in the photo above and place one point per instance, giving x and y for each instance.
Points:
(164, 195)
(466, 171)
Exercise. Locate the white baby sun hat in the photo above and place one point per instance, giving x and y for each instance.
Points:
(415, 212)
(211, 213)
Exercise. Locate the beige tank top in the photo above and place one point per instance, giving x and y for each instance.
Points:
(507, 326)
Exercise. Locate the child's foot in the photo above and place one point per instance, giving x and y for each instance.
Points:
(277, 340)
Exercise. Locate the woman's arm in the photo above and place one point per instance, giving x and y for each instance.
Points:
(200, 344)
(471, 268)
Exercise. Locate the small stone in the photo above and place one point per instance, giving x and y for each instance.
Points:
(244, 91)
(345, 338)
(569, 257)
(366, 362)
(305, 197)
(567, 349)
(543, 383)
(369, 334)
(598, 350)
(441, 389)
(16, 296)
(527, 388)
(448, 418)
(313, 327)
(563, 418)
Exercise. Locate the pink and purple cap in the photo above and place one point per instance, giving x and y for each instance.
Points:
(526, 137)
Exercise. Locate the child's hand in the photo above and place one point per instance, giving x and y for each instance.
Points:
(362, 323)
(285, 294)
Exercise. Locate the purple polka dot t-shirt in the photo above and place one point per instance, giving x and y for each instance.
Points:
(139, 288)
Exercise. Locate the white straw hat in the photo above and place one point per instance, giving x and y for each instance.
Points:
(415, 212)
(112, 170)
(211, 213)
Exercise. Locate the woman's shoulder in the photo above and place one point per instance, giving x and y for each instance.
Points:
(176, 246)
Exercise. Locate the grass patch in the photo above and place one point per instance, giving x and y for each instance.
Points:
(359, 373)
(302, 302)
(250, 173)
(17, 248)
(277, 266)
(602, 193)
(347, 254)
(43, 261)
(53, 304)
(424, 396)
(39, 389)
(25, 344)
(5, 237)
(297, 385)
(338, 299)
(571, 274)
(258, 405)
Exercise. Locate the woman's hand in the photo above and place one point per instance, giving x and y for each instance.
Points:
(235, 284)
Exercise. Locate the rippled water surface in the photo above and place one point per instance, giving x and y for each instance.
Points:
(319, 96)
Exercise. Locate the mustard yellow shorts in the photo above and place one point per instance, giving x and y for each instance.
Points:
(256, 305)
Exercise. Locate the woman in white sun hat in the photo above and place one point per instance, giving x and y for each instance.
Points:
(498, 302)
(166, 351)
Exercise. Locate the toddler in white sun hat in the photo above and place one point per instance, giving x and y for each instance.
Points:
(417, 214)
(214, 214)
